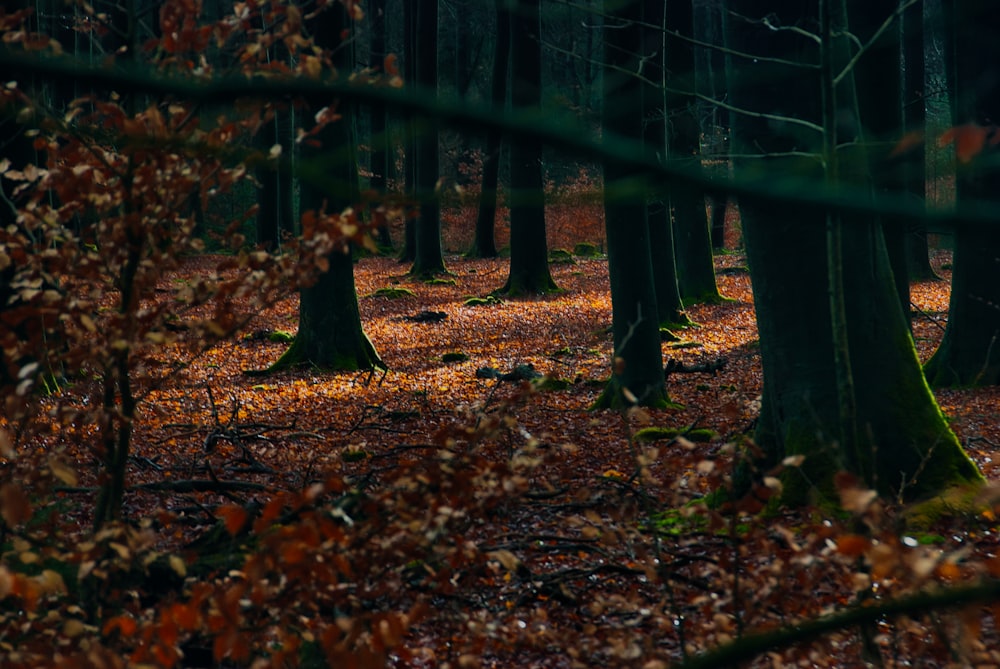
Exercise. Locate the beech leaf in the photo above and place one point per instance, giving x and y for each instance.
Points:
(63, 471)
(14, 505)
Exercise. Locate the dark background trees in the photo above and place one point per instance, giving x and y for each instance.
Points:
(968, 354)
(673, 94)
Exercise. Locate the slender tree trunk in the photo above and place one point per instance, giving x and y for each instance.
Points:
(902, 443)
(717, 224)
(274, 198)
(268, 230)
(969, 354)
(409, 251)
(915, 120)
(529, 256)
(669, 307)
(381, 155)
(710, 70)
(638, 367)
(429, 258)
(484, 241)
(692, 243)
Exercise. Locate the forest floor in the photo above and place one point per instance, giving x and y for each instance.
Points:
(585, 592)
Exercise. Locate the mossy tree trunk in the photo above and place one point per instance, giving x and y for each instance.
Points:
(330, 335)
(529, 255)
(692, 240)
(638, 369)
(899, 441)
(969, 354)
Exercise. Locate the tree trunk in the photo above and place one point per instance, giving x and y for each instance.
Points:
(915, 120)
(529, 255)
(902, 443)
(429, 259)
(638, 366)
(484, 241)
(882, 121)
(381, 156)
(969, 354)
(274, 198)
(409, 251)
(330, 335)
(669, 308)
(710, 78)
(717, 224)
(692, 243)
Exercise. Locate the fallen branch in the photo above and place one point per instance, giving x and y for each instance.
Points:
(752, 645)
(202, 485)
(303, 435)
(710, 367)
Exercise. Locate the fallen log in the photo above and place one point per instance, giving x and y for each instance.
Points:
(708, 367)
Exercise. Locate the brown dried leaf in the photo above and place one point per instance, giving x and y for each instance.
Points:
(15, 507)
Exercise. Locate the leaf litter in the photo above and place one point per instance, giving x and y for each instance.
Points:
(572, 554)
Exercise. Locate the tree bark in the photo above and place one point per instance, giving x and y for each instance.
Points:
(692, 242)
(408, 254)
(880, 69)
(969, 354)
(429, 259)
(381, 156)
(915, 120)
(710, 78)
(638, 370)
(330, 335)
(902, 444)
(274, 197)
(529, 255)
(484, 241)
(669, 307)
(275, 203)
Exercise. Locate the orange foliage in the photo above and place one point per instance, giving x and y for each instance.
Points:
(969, 140)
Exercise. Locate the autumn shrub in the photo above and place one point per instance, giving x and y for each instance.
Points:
(337, 570)
(105, 216)
(117, 199)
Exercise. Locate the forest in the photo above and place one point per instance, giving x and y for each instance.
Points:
(499, 333)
